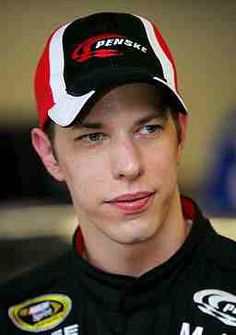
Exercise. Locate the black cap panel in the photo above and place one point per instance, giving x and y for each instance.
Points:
(103, 43)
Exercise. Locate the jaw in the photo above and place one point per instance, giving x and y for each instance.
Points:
(136, 246)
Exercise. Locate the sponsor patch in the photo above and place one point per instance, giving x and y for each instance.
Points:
(219, 304)
(41, 313)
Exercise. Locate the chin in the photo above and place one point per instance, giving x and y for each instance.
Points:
(134, 235)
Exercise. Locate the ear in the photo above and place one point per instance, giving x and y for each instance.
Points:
(183, 124)
(44, 149)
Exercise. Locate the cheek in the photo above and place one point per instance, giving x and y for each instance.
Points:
(85, 179)
(162, 166)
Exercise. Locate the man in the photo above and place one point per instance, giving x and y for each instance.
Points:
(112, 127)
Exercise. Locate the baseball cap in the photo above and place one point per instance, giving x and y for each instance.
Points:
(89, 55)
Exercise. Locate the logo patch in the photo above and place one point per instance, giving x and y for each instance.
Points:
(219, 304)
(41, 313)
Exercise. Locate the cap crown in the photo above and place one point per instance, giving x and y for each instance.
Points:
(89, 54)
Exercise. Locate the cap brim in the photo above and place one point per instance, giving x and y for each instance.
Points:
(69, 107)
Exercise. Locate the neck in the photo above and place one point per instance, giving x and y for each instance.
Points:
(136, 259)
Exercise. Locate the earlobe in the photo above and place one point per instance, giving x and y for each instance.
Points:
(44, 149)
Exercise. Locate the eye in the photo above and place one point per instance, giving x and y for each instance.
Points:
(150, 129)
(93, 137)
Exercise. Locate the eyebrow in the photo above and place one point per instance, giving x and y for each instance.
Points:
(89, 125)
(99, 125)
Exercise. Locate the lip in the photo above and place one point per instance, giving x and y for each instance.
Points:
(132, 202)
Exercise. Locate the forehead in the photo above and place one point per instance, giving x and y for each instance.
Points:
(135, 97)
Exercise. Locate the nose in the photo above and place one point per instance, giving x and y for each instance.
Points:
(126, 160)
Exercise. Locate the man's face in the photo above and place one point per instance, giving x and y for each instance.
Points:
(120, 165)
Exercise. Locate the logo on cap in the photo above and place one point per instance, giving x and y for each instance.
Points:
(100, 46)
(41, 313)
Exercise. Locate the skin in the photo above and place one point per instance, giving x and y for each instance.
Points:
(125, 154)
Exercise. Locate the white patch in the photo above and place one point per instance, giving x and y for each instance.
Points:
(219, 304)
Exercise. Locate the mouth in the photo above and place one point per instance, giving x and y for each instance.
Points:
(132, 202)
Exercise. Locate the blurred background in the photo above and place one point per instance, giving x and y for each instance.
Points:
(37, 220)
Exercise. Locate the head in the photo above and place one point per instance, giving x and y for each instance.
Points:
(115, 139)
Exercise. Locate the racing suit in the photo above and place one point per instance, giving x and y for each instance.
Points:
(192, 293)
